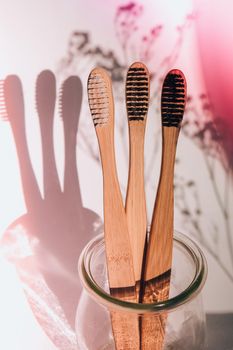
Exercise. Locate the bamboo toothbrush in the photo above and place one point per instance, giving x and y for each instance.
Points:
(137, 101)
(45, 105)
(117, 243)
(159, 251)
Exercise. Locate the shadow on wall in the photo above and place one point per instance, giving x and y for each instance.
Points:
(219, 331)
(45, 243)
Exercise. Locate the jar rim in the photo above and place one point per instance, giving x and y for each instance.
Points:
(109, 301)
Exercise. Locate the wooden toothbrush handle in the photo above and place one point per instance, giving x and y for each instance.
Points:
(125, 331)
(118, 250)
(135, 198)
(125, 325)
(153, 332)
(153, 327)
(117, 243)
(159, 253)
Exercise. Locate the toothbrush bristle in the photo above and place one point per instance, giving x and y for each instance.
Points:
(173, 98)
(99, 96)
(137, 92)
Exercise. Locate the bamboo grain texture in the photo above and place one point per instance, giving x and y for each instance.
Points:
(125, 228)
(117, 243)
(158, 262)
(137, 101)
(158, 265)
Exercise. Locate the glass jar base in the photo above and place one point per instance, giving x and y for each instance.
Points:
(183, 311)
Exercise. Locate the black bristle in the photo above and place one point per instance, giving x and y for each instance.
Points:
(173, 99)
(137, 93)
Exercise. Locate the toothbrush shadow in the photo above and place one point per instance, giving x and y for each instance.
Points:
(45, 243)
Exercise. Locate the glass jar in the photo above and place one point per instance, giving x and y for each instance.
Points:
(183, 311)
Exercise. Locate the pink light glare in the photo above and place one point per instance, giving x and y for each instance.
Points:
(215, 34)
